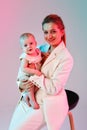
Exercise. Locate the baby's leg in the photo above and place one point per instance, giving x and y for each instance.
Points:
(32, 100)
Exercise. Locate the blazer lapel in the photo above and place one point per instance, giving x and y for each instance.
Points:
(54, 53)
(49, 59)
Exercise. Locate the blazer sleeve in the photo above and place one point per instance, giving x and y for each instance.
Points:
(53, 85)
(59, 78)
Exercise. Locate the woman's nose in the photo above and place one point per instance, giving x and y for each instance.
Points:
(49, 35)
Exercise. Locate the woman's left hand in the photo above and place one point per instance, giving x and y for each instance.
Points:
(26, 84)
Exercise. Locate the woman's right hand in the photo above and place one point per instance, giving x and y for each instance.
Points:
(38, 73)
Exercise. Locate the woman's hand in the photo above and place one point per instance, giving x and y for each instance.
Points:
(38, 73)
(26, 85)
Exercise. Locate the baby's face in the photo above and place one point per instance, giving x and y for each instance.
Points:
(29, 45)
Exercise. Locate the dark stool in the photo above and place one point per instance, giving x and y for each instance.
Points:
(73, 99)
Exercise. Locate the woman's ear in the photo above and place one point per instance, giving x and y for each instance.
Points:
(62, 32)
(36, 43)
(63, 36)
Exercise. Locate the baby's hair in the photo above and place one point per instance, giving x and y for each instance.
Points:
(24, 36)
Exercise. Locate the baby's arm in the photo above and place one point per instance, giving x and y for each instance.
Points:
(29, 70)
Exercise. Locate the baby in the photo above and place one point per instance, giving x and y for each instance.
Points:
(31, 61)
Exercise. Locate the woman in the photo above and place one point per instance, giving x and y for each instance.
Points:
(51, 95)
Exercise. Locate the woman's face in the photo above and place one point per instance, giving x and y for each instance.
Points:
(52, 34)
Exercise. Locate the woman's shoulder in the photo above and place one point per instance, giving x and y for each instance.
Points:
(68, 53)
(64, 52)
(67, 56)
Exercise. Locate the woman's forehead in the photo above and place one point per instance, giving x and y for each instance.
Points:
(50, 26)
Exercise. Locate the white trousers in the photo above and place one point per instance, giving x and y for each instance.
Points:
(26, 118)
(55, 109)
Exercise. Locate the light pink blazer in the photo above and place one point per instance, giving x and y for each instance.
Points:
(51, 94)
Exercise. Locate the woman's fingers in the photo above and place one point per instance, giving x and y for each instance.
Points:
(27, 84)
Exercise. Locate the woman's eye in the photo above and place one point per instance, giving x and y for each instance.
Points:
(53, 31)
(45, 32)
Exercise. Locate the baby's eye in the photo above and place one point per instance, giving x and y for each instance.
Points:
(53, 31)
(25, 45)
(31, 43)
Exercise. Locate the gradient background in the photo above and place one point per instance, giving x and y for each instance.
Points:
(19, 16)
